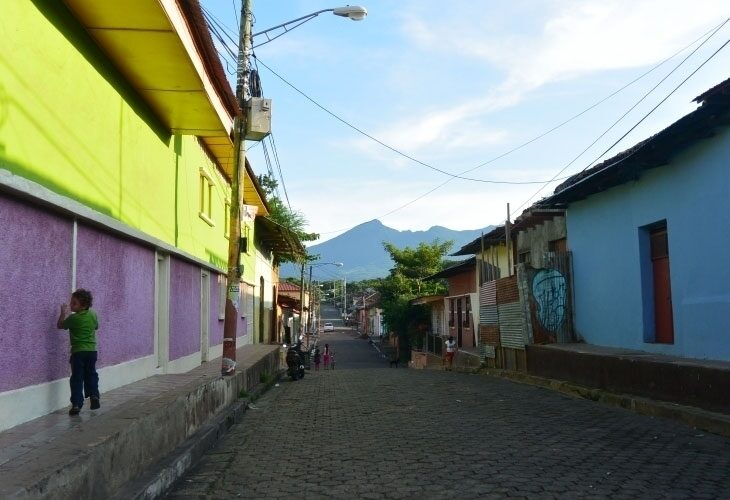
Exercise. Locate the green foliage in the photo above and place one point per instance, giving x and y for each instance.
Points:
(406, 282)
(281, 213)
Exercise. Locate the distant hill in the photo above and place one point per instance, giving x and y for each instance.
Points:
(361, 249)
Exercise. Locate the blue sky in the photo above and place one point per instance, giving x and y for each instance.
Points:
(456, 84)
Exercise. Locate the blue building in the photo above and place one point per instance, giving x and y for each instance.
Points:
(649, 230)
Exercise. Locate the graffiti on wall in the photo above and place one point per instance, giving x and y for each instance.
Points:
(549, 289)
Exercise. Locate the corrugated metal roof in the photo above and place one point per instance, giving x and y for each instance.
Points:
(458, 268)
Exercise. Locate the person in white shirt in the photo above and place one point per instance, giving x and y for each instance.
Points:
(450, 352)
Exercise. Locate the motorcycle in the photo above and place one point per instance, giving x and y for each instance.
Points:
(295, 361)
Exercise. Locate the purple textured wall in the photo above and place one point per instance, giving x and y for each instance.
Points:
(35, 265)
(121, 276)
(184, 309)
(216, 325)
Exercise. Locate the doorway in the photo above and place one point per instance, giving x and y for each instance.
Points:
(663, 316)
(162, 311)
(262, 292)
(204, 315)
(459, 324)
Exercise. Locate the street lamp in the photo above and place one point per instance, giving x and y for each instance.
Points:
(354, 12)
(245, 48)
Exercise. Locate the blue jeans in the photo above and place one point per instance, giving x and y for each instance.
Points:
(84, 379)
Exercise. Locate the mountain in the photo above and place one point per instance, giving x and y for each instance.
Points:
(361, 249)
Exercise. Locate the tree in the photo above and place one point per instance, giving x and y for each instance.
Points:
(412, 265)
(406, 282)
(281, 213)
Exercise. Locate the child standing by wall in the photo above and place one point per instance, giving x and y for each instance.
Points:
(82, 325)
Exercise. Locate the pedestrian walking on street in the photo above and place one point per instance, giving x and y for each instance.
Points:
(82, 324)
(327, 356)
(332, 359)
(317, 359)
(450, 352)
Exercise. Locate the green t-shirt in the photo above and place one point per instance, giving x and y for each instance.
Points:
(82, 328)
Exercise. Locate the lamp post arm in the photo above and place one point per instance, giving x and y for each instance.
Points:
(287, 26)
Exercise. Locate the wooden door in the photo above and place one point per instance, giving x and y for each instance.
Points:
(459, 323)
(663, 318)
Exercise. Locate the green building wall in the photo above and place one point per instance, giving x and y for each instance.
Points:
(70, 122)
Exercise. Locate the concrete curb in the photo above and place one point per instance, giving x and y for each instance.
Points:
(717, 423)
(157, 482)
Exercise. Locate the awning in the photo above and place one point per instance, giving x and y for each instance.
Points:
(164, 51)
(280, 240)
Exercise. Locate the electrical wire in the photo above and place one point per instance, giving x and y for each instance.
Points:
(278, 166)
(516, 148)
(215, 26)
(385, 145)
(642, 118)
(460, 175)
(710, 32)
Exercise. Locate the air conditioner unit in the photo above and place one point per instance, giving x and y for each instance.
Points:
(258, 122)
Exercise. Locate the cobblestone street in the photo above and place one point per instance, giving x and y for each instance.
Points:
(366, 430)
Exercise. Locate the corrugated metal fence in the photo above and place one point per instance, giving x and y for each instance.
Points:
(533, 306)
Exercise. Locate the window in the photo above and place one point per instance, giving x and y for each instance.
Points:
(452, 311)
(206, 198)
(246, 234)
(226, 218)
(524, 258)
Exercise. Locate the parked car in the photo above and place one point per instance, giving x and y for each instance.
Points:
(329, 327)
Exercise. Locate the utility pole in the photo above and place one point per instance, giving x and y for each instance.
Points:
(228, 365)
(508, 242)
(309, 313)
(301, 307)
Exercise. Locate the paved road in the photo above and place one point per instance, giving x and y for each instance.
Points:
(366, 430)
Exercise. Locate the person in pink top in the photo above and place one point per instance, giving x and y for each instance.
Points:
(326, 356)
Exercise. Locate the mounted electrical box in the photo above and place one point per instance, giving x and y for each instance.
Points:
(258, 123)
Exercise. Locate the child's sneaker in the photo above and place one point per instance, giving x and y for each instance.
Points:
(95, 405)
(75, 410)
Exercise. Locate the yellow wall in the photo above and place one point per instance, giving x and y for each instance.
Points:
(497, 256)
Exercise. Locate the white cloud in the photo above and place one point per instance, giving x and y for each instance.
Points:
(577, 38)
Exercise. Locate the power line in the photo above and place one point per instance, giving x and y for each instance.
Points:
(278, 166)
(385, 145)
(644, 117)
(545, 183)
(710, 32)
(214, 28)
(460, 175)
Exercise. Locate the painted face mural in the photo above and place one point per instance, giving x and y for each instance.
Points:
(549, 291)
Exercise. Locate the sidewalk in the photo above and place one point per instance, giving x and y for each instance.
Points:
(95, 454)
(692, 391)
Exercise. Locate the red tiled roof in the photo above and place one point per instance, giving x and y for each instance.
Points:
(285, 286)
